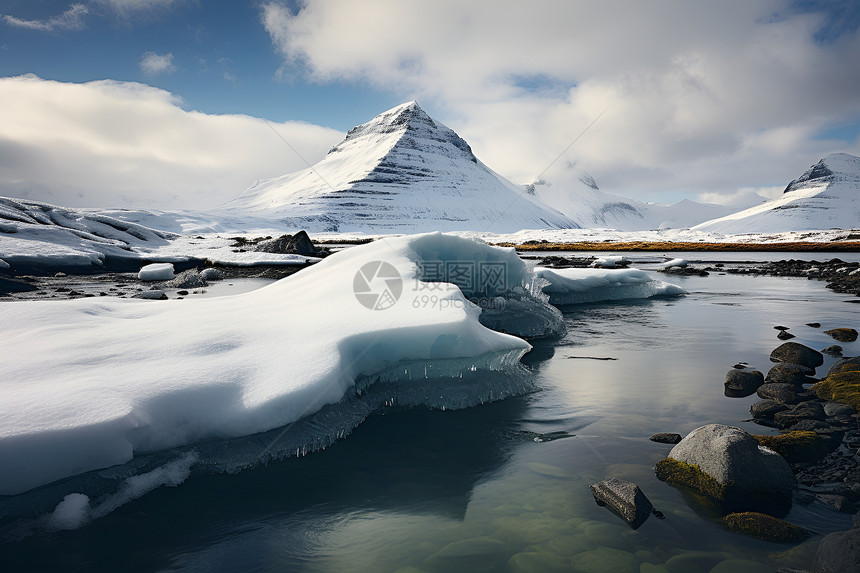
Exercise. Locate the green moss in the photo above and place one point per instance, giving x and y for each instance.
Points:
(795, 446)
(841, 386)
(765, 527)
(690, 476)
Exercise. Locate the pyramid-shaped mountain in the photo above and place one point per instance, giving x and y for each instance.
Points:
(826, 196)
(400, 172)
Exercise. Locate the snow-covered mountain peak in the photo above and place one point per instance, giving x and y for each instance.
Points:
(826, 196)
(834, 167)
(414, 130)
(402, 171)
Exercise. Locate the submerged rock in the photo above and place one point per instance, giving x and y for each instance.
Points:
(833, 350)
(796, 353)
(765, 527)
(730, 466)
(624, 498)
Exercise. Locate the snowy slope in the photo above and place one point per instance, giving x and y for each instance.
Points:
(39, 233)
(826, 196)
(400, 172)
(576, 194)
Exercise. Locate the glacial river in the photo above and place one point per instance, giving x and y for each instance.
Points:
(502, 486)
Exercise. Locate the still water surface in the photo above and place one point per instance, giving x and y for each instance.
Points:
(503, 486)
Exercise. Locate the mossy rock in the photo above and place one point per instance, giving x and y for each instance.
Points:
(841, 385)
(842, 334)
(765, 527)
(796, 446)
(713, 497)
(689, 476)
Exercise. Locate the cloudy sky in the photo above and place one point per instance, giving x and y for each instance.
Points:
(184, 103)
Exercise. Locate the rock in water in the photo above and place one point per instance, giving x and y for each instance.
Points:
(738, 472)
(624, 498)
(842, 334)
(787, 373)
(666, 438)
(797, 353)
(741, 383)
(839, 553)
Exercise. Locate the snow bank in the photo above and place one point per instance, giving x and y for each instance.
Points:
(91, 383)
(675, 263)
(156, 272)
(577, 286)
(610, 262)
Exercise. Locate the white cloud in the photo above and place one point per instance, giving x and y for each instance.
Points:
(71, 19)
(699, 97)
(128, 7)
(152, 63)
(116, 144)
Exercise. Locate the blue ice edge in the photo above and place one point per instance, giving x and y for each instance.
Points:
(442, 384)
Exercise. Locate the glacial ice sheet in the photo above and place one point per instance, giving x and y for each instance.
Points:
(88, 384)
(578, 286)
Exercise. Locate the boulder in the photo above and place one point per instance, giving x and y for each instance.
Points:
(785, 335)
(624, 498)
(842, 334)
(782, 393)
(797, 353)
(839, 553)
(804, 411)
(741, 383)
(766, 408)
(730, 466)
(787, 373)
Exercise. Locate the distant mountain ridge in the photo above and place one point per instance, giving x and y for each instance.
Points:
(825, 196)
(577, 195)
(400, 172)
